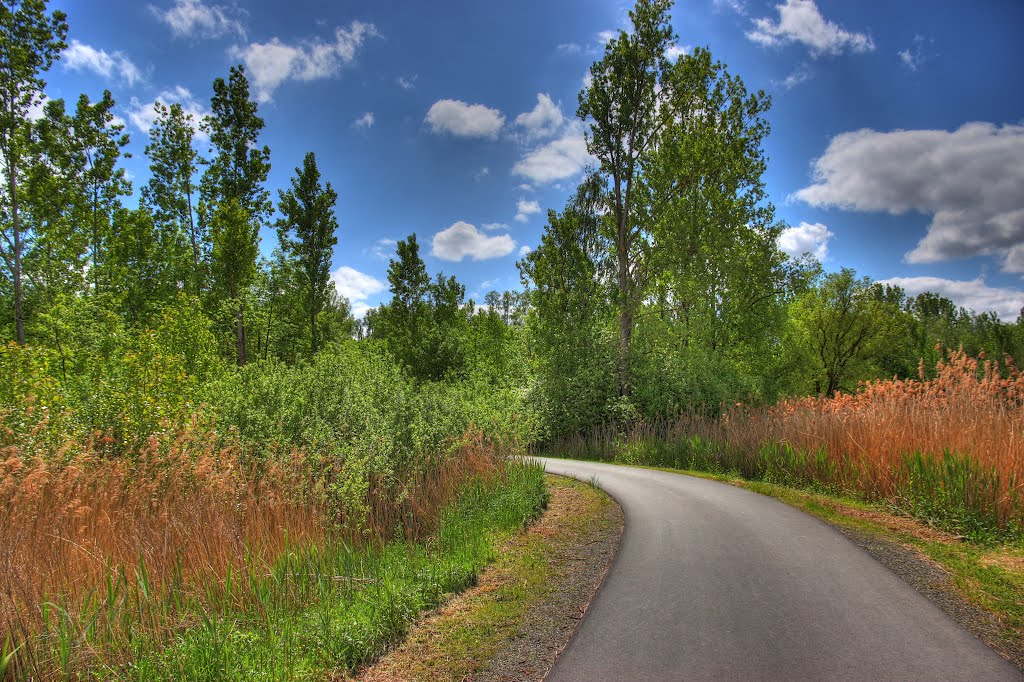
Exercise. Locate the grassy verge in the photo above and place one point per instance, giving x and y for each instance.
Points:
(328, 610)
(987, 576)
(525, 606)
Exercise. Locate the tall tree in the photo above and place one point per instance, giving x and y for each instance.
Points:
(30, 41)
(98, 139)
(307, 211)
(622, 103)
(234, 178)
(233, 262)
(169, 192)
(570, 319)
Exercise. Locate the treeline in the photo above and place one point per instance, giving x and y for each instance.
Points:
(75, 256)
(659, 288)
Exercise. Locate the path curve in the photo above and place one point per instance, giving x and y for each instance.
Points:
(712, 581)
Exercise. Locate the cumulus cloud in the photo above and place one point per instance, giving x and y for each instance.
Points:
(464, 120)
(973, 294)
(970, 180)
(809, 238)
(357, 287)
(365, 121)
(78, 56)
(524, 250)
(462, 239)
(559, 159)
(272, 63)
(801, 22)
(194, 19)
(525, 209)
(493, 227)
(544, 120)
(569, 48)
(143, 114)
(407, 82)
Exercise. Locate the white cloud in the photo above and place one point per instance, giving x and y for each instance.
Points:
(407, 82)
(604, 37)
(79, 56)
(802, 74)
(973, 294)
(383, 249)
(544, 120)
(569, 48)
(142, 114)
(462, 239)
(588, 79)
(971, 181)
(800, 21)
(559, 159)
(674, 52)
(492, 227)
(364, 121)
(270, 64)
(913, 56)
(523, 250)
(738, 6)
(464, 120)
(37, 108)
(809, 238)
(357, 287)
(524, 209)
(193, 19)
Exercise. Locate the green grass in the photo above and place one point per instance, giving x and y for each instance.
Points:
(317, 611)
(460, 641)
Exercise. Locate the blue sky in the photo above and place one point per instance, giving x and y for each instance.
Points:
(898, 127)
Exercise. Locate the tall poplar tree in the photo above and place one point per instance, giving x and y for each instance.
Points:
(235, 175)
(30, 40)
(622, 104)
(98, 139)
(169, 193)
(306, 232)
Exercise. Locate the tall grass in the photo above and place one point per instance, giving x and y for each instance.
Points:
(107, 560)
(947, 449)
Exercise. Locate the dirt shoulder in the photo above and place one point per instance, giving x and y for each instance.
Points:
(526, 606)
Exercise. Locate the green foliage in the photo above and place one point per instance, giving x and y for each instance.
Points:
(426, 322)
(31, 42)
(168, 194)
(308, 210)
(843, 331)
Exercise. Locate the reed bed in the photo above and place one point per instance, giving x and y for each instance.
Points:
(105, 561)
(946, 449)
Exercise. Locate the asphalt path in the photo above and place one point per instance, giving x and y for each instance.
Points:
(714, 582)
